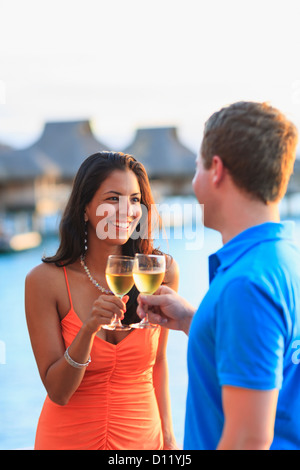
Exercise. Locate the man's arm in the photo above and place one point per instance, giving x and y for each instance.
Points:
(167, 308)
(249, 418)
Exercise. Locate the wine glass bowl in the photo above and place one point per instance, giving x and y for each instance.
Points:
(148, 274)
(119, 278)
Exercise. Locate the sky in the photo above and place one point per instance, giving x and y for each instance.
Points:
(135, 63)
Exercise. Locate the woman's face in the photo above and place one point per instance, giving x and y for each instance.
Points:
(115, 209)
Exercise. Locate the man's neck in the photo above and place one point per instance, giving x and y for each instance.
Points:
(246, 214)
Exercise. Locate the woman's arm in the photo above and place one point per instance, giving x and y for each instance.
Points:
(161, 372)
(60, 379)
(172, 274)
(161, 384)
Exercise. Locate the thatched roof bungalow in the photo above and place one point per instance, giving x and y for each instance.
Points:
(45, 170)
(59, 152)
(169, 163)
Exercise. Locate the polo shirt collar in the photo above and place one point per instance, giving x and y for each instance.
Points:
(245, 240)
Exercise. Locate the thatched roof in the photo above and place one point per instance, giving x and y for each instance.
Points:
(162, 154)
(26, 164)
(59, 151)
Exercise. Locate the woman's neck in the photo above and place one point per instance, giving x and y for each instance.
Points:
(98, 252)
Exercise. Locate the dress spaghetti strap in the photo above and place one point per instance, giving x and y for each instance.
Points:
(68, 287)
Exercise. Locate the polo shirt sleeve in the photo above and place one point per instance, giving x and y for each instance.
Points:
(250, 336)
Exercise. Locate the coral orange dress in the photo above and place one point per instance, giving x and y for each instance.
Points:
(115, 405)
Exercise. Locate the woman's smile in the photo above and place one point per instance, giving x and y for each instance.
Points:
(122, 226)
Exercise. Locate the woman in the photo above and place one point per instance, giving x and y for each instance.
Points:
(106, 389)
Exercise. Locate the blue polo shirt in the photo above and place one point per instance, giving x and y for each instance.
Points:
(246, 333)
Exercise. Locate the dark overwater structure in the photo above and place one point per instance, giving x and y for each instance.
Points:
(39, 177)
(35, 182)
(165, 157)
(52, 160)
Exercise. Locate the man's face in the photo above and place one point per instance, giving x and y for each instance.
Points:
(200, 181)
(203, 190)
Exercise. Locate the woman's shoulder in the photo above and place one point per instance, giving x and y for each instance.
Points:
(43, 273)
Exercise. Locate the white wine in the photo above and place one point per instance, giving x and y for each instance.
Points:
(148, 282)
(119, 284)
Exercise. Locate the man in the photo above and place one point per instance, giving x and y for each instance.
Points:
(243, 388)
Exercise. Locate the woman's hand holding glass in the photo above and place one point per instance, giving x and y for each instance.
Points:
(119, 278)
(104, 309)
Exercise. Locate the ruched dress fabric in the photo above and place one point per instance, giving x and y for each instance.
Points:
(115, 406)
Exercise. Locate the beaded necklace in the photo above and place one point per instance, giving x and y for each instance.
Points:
(87, 271)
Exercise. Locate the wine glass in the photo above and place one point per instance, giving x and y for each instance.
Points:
(119, 278)
(148, 274)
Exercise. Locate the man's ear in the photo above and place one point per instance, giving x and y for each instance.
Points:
(217, 170)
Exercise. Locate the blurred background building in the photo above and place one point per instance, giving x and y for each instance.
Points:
(35, 182)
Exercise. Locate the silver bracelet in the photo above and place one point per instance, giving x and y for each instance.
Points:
(72, 363)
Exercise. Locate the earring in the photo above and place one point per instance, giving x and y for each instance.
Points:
(85, 237)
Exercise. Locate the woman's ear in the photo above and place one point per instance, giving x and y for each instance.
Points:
(85, 217)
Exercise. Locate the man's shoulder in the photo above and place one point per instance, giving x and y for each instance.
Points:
(269, 256)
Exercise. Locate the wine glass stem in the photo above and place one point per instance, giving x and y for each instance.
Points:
(116, 321)
(146, 318)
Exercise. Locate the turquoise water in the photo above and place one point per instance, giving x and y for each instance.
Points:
(21, 391)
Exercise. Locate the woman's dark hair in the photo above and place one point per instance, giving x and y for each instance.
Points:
(91, 174)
